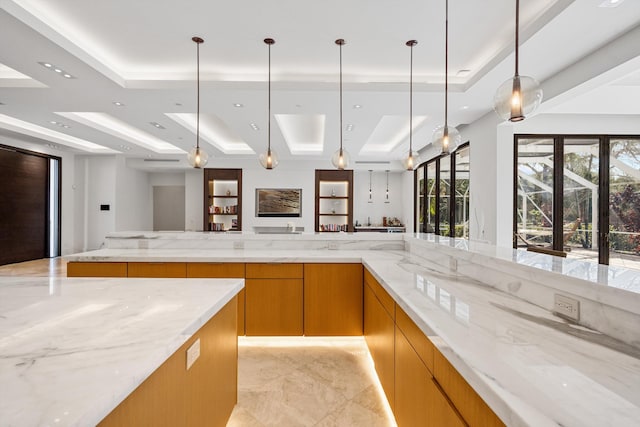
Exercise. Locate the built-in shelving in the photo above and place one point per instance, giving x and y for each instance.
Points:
(223, 200)
(334, 200)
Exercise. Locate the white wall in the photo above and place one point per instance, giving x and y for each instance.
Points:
(375, 211)
(194, 199)
(133, 201)
(100, 189)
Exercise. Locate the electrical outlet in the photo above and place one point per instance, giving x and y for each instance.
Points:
(238, 245)
(566, 307)
(333, 245)
(193, 353)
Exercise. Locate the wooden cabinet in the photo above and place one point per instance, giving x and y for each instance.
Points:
(473, 409)
(97, 269)
(379, 332)
(274, 299)
(203, 395)
(221, 270)
(222, 199)
(157, 269)
(334, 200)
(333, 299)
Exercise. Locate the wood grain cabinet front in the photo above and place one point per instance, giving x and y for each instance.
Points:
(379, 332)
(333, 299)
(273, 299)
(157, 269)
(222, 270)
(97, 269)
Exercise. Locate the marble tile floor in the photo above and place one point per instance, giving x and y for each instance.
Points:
(307, 381)
(288, 381)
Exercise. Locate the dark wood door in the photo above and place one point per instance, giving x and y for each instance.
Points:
(23, 206)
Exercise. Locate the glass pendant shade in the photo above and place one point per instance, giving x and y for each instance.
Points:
(269, 159)
(517, 97)
(446, 138)
(410, 160)
(197, 157)
(340, 159)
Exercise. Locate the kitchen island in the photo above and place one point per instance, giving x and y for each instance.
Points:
(479, 309)
(73, 349)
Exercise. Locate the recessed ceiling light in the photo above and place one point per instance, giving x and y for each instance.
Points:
(62, 125)
(356, 106)
(58, 70)
(67, 76)
(46, 64)
(254, 126)
(464, 107)
(238, 105)
(349, 127)
(611, 3)
(157, 125)
(53, 122)
(463, 73)
(118, 104)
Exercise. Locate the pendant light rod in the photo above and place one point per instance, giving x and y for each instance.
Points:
(517, 34)
(446, 67)
(340, 42)
(269, 42)
(198, 42)
(411, 44)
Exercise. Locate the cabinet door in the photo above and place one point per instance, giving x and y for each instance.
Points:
(157, 269)
(273, 306)
(473, 409)
(379, 331)
(221, 270)
(97, 269)
(273, 271)
(333, 299)
(412, 381)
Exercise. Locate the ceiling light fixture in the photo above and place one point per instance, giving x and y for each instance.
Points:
(445, 137)
(269, 159)
(118, 104)
(50, 66)
(519, 96)
(196, 156)
(238, 105)
(386, 196)
(254, 126)
(370, 193)
(157, 125)
(408, 162)
(357, 106)
(340, 158)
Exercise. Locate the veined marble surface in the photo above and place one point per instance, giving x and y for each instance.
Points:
(531, 367)
(71, 349)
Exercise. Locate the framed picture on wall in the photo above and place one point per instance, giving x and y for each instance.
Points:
(278, 202)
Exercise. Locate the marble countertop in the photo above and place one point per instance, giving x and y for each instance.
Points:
(71, 349)
(531, 367)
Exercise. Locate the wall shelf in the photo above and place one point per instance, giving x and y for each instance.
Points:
(217, 183)
(334, 200)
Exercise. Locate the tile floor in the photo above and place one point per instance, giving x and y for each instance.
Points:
(291, 381)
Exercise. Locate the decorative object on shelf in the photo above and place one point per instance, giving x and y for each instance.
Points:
(197, 157)
(278, 202)
(228, 193)
(340, 158)
(370, 193)
(521, 95)
(409, 161)
(386, 196)
(269, 159)
(446, 137)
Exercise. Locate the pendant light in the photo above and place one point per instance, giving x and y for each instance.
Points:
(521, 95)
(386, 196)
(340, 158)
(197, 157)
(269, 159)
(446, 137)
(409, 161)
(370, 193)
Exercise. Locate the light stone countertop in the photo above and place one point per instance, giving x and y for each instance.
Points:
(72, 349)
(531, 367)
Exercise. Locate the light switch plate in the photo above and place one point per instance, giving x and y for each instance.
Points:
(193, 353)
(566, 307)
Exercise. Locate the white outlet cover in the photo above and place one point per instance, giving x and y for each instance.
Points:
(193, 353)
(566, 307)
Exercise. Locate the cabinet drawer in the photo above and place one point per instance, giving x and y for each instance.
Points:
(416, 338)
(473, 409)
(381, 293)
(157, 269)
(215, 270)
(274, 271)
(97, 269)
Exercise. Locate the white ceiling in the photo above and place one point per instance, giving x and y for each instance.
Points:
(140, 53)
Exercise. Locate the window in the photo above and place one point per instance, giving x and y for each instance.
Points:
(590, 184)
(442, 194)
